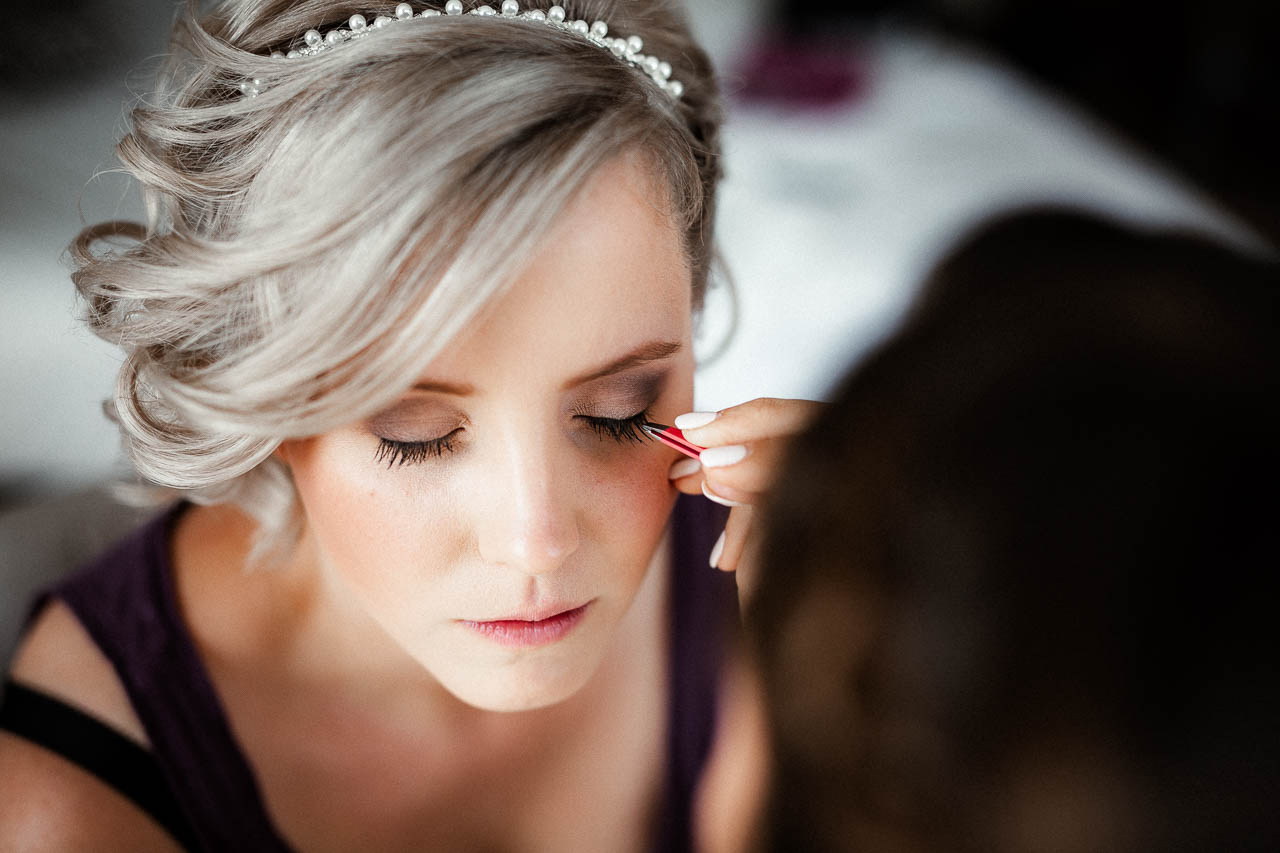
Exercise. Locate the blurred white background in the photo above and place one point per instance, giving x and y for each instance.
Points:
(829, 217)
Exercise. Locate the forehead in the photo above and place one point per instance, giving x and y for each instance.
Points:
(610, 274)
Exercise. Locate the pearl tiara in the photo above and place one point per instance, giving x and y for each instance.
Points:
(627, 49)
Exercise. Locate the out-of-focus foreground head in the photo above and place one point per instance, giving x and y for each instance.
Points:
(1013, 593)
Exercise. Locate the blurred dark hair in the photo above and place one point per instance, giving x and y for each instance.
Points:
(1013, 589)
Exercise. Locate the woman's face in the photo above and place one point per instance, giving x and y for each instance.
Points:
(498, 519)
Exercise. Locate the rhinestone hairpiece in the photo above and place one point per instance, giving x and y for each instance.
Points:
(627, 49)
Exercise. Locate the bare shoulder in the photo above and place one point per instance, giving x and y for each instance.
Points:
(59, 658)
(47, 802)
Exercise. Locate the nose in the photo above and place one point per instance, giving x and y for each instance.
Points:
(530, 523)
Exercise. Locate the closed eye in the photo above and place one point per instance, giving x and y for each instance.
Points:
(397, 453)
(621, 430)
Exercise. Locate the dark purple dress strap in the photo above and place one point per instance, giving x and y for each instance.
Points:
(704, 615)
(127, 602)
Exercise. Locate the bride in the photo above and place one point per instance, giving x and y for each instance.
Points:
(413, 278)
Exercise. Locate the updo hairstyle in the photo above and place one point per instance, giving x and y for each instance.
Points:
(308, 251)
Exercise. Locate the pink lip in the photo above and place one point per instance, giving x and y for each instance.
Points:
(530, 632)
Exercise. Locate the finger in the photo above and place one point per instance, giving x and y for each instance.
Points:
(733, 540)
(686, 475)
(727, 492)
(731, 499)
(688, 485)
(748, 566)
(685, 466)
(755, 472)
(764, 417)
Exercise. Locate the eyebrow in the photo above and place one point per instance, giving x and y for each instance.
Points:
(643, 354)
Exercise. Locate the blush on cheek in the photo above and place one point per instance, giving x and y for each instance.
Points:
(369, 523)
(631, 502)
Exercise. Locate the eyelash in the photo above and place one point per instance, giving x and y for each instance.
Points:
(621, 430)
(398, 453)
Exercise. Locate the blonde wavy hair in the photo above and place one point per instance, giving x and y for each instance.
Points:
(309, 251)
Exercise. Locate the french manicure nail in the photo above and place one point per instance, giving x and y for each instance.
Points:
(693, 420)
(712, 496)
(683, 468)
(715, 551)
(719, 457)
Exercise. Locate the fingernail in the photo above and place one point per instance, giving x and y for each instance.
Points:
(712, 496)
(719, 457)
(693, 420)
(683, 468)
(715, 551)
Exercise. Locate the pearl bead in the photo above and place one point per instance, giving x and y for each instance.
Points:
(628, 49)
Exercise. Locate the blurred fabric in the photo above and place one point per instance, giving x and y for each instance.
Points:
(1193, 80)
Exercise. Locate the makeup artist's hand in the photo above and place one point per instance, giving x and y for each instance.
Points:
(744, 445)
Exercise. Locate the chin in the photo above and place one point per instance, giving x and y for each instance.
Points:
(520, 685)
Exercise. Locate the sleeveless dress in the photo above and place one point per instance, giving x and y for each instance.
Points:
(197, 783)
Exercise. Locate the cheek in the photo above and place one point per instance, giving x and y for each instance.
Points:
(368, 523)
(632, 496)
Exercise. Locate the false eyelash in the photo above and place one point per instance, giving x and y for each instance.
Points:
(398, 453)
(619, 429)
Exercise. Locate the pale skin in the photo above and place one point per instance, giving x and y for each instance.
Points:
(375, 716)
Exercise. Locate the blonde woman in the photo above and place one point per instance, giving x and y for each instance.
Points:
(413, 278)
